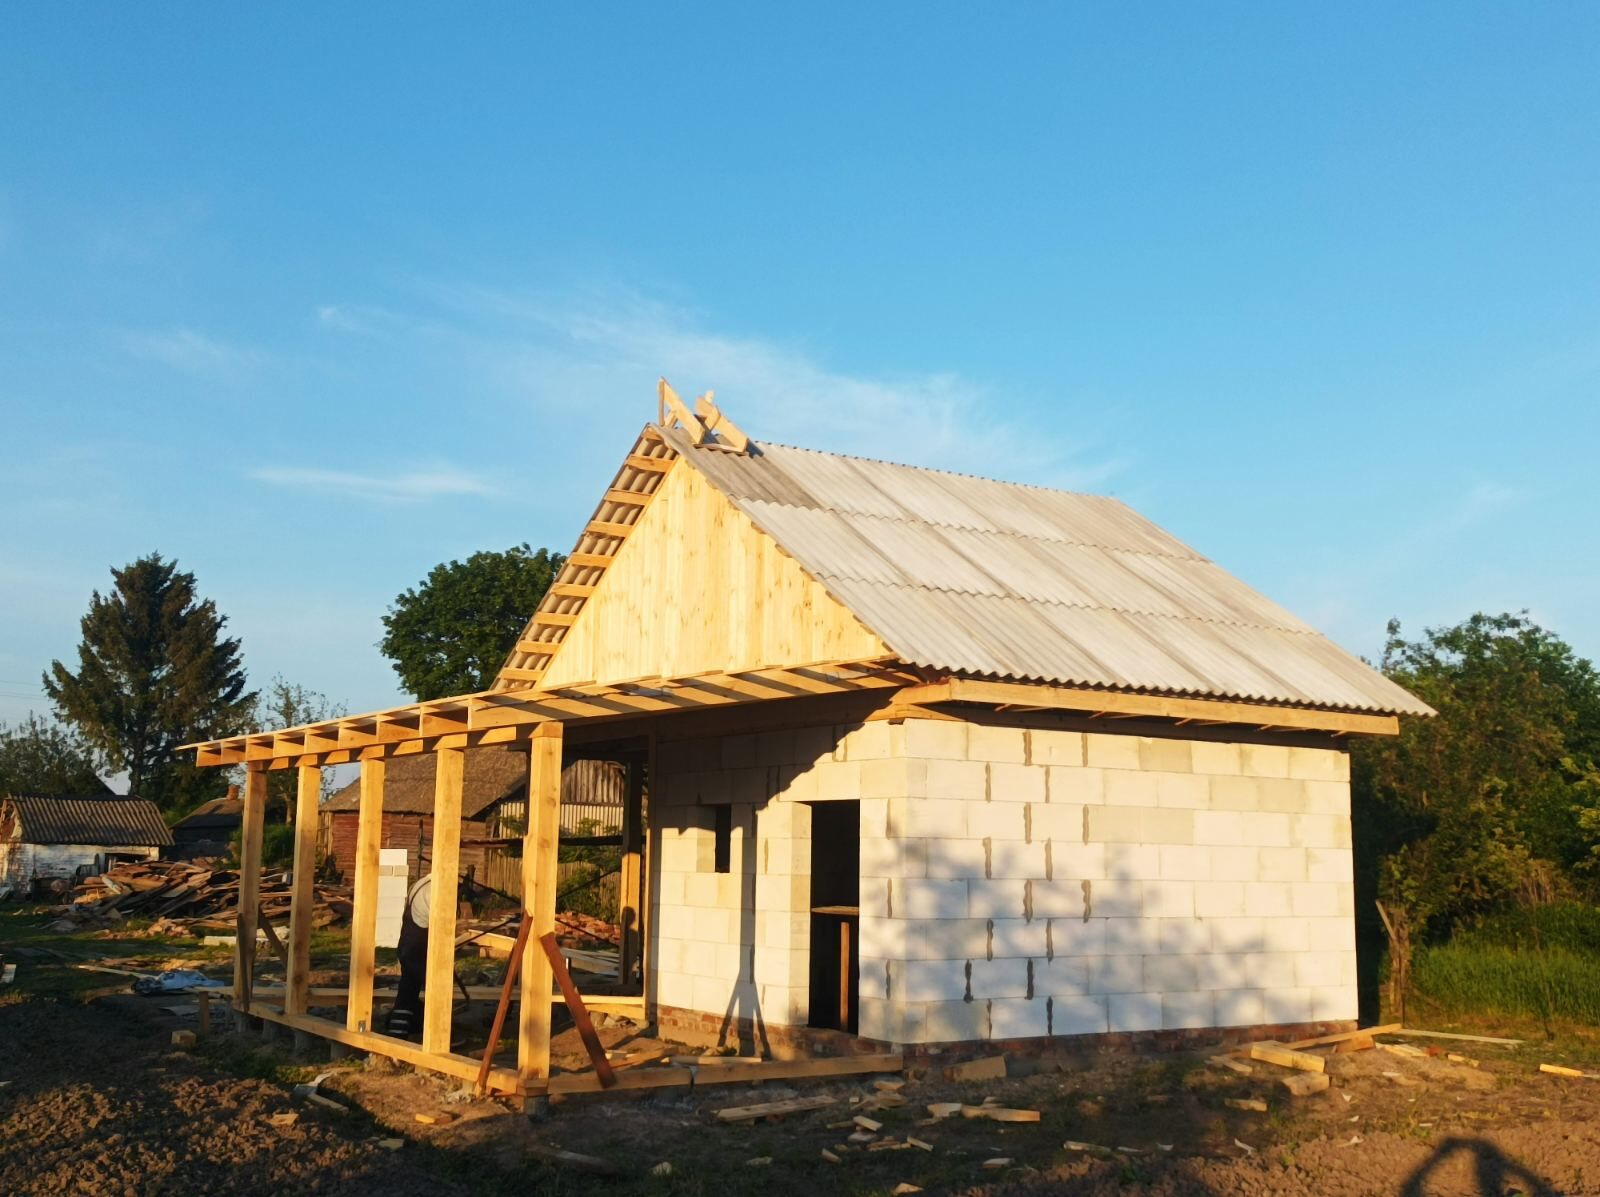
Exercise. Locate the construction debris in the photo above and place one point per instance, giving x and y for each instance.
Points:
(997, 1163)
(991, 1068)
(187, 898)
(1559, 1070)
(773, 1109)
(999, 1113)
(944, 1109)
(288, 1118)
(1302, 1084)
(1247, 1103)
(1285, 1057)
(1405, 1050)
(184, 1040)
(1230, 1063)
(1453, 1035)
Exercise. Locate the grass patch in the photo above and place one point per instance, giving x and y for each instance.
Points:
(1550, 984)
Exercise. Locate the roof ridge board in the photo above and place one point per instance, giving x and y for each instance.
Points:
(905, 465)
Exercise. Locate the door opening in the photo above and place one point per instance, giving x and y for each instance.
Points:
(835, 914)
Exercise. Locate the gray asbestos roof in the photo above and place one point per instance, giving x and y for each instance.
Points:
(1002, 580)
(109, 821)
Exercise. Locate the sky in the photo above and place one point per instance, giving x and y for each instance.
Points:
(312, 298)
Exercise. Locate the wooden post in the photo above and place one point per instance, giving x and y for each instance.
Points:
(629, 887)
(440, 988)
(364, 919)
(539, 898)
(244, 951)
(302, 893)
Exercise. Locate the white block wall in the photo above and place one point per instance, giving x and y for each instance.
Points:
(1033, 882)
(1014, 883)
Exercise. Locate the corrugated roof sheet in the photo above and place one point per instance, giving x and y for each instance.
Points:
(1003, 580)
(110, 821)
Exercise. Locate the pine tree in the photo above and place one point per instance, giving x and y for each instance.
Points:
(154, 672)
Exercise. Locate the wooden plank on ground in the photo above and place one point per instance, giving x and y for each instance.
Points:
(1342, 1036)
(1285, 1057)
(1304, 1083)
(774, 1109)
(1447, 1035)
(773, 1070)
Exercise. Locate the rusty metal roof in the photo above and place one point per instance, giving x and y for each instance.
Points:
(999, 579)
(107, 821)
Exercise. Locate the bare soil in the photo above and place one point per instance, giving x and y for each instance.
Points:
(93, 1099)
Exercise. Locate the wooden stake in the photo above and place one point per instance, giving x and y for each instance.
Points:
(513, 966)
(539, 896)
(580, 1016)
(244, 952)
(364, 919)
(302, 888)
(449, 771)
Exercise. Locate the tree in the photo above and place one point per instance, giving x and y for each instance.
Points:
(1483, 805)
(37, 757)
(286, 704)
(451, 634)
(154, 671)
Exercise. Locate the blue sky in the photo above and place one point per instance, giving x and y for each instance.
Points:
(313, 298)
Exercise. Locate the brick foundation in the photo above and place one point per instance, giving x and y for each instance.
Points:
(699, 1029)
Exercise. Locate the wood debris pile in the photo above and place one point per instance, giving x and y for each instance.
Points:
(193, 896)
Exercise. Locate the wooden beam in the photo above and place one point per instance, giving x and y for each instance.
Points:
(554, 619)
(627, 1005)
(1117, 703)
(726, 430)
(501, 1080)
(580, 1016)
(513, 966)
(655, 465)
(674, 407)
(364, 896)
(302, 887)
(629, 887)
(630, 498)
(767, 1070)
(440, 987)
(571, 590)
(609, 528)
(254, 823)
(590, 560)
(539, 898)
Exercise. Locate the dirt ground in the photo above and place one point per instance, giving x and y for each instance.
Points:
(93, 1099)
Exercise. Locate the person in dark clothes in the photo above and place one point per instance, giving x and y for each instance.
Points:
(405, 1020)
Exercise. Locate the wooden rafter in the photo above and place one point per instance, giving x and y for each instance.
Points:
(506, 716)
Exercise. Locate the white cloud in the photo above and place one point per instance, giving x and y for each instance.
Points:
(185, 350)
(413, 486)
(600, 353)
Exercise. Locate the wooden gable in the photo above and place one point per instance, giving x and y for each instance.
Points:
(696, 587)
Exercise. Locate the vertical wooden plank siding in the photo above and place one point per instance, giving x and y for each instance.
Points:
(539, 900)
(302, 893)
(628, 890)
(244, 954)
(364, 920)
(439, 989)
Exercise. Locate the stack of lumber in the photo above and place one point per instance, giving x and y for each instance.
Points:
(200, 895)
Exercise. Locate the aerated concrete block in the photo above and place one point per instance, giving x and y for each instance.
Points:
(935, 739)
(1116, 974)
(996, 899)
(1056, 821)
(1116, 824)
(1218, 899)
(1184, 862)
(1074, 1015)
(1051, 747)
(1181, 1010)
(1289, 1005)
(1134, 1012)
(1266, 899)
(1281, 794)
(1335, 1003)
(1015, 860)
(1016, 938)
(1264, 760)
(1131, 936)
(1170, 974)
(1077, 937)
(1318, 969)
(1239, 1007)
(1016, 783)
(1073, 862)
(1082, 786)
(1057, 899)
(998, 820)
(1130, 787)
(1159, 755)
(1111, 752)
(1283, 864)
(947, 939)
(1002, 977)
(963, 859)
(1063, 977)
(1315, 900)
(995, 744)
(1167, 899)
(1183, 790)
(928, 980)
(1213, 759)
(964, 780)
(919, 898)
(1319, 764)
(955, 1022)
(1327, 798)
(1018, 1018)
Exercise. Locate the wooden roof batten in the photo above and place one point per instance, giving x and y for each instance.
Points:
(615, 517)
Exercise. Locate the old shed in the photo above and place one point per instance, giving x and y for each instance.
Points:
(913, 758)
(47, 839)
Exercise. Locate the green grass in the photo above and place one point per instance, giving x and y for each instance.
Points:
(1547, 984)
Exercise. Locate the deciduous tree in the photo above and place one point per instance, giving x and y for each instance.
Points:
(39, 757)
(451, 634)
